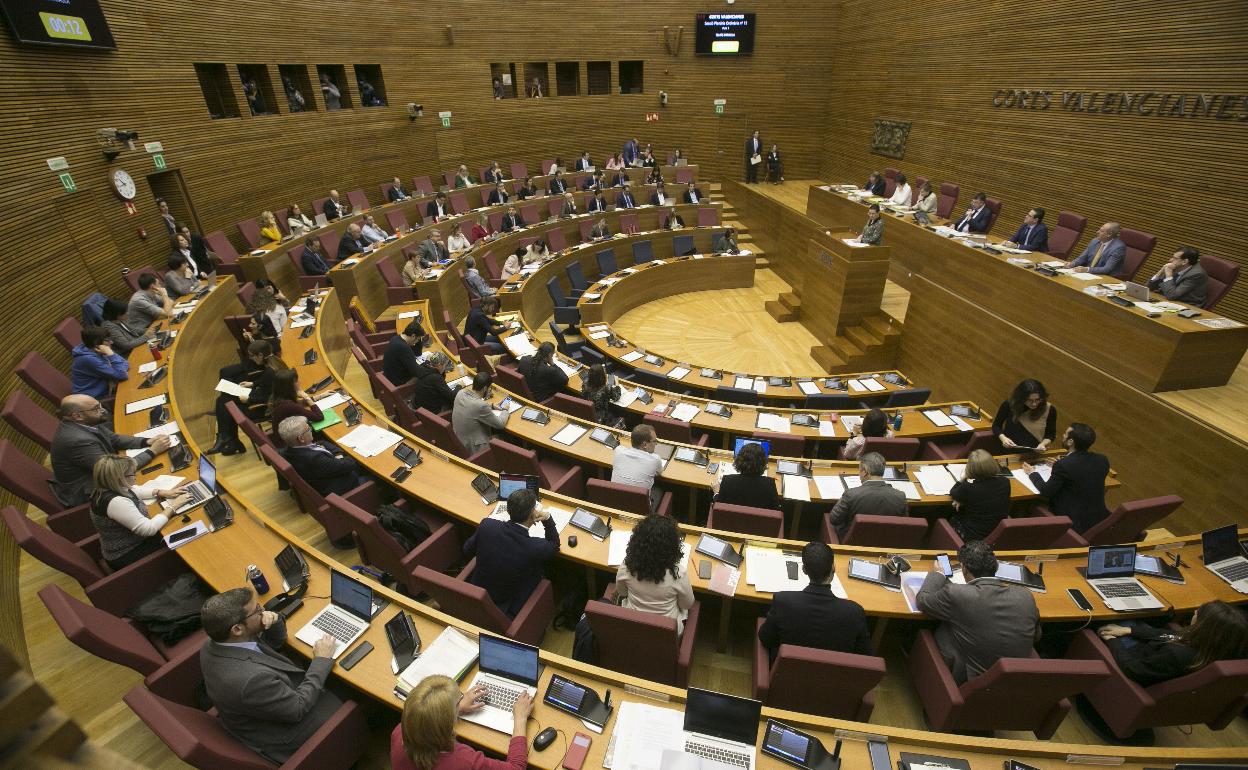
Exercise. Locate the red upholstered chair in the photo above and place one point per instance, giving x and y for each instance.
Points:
(643, 644)
(894, 450)
(585, 225)
(496, 221)
(554, 205)
(629, 224)
(531, 215)
(1014, 535)
(1064, 236)
(980, 439)
(1222, 276)
(1139, 246)
(1014, 694)
(250, 230)
(479, 354)
(556, 239)
(318, 205)
(423, 185)
(132, 277)
(29, 419)
(519, 171)
(994, 206)
(379, 548)
(554, 475)
(919, 181)
(745, 520)
(684, 175)
(545, 167)
(890, 184)
(472, 604)
(946, 199)
(311, 502)
(396, 291)
(511, 380)
(397, 221)
(782, 444)
(282, 215)
(438, 431)
(329, 245)
(358, 201)
(68, 333)
(674, 430)
(31, 481)
(1127, 522)
(395, 402)
(245, 292)
(878, 531)
(105, 635)
(473, 299)
(459, 203)
(490, 270)
(384, 189)
(798, 680)
(220, 245)
(891, 173)
(708, 216)
(1213, 695)
(571, 405)
(625, 497)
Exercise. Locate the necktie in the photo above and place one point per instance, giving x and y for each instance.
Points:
(1027, 237)
(1096, 260)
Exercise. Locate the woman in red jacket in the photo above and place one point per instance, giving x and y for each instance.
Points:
(425, 738)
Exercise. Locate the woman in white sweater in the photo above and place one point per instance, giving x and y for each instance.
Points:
(119, 512)
(652, 578)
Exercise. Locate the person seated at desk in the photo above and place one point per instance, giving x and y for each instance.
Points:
(462, 178)
(814, 616)
(541, 374)
(873, 496)
(150, 303)
(321, 464)
(637, 465)
(569, 206)
(509, 561)
(431, 390)
(352, 242)
(901, 192)
(583, 163)
(597, 203)
(725, 242)
(748, 486)
(473, 418)
(437, 209)
(424, 739)
(119, 512)
(537, 252)
(297, 222)
(494, 174)
(123, 335)
(873, 230)
(476, 284)
(269, 232)
(977, 216)
(413, 269)
(594, 181)
(1104, 253)
(691, 194)
(875, 184)
(481, 228)
(775, 166)
(601, 390)
(481, 326)
(528, 189)
(1032, 234)
(653, 577)
(259, 327)
(432, 250)
(82, 438)
(926, 202)
(659, 197)
(557, 167)
(981, 499)
(620, 179)
(270, 704)
(396, 192)
(1149, 655)
(511, 220)
(655, 176)
(615, 162)
(312, 261)
(1182, 279)
(558, 185)
(498, 195)
(457, 242)
(1026, 419)
(600, 231)
(647, 159)
(256, 374)
(289, 400)
(1076, 483)
(874, 425)
(511, 267)
(625, 199)
(981, 621)
(399, 362)
(674, 221)
(371, 232)
(180, 277)
(193, 248)
(95, 366)
(334, 208)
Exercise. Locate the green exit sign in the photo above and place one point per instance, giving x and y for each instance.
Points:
(719, 109)
(159, 160)
(67, 182)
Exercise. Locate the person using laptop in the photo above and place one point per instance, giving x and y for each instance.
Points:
(81, 439)
(119, 513)
(424, 739)
(637, 465)
(1076, 485)
(473, 418)
(321, 464)
(873, 496)
(816, 617)
(1148, 655)
(1182, 279)
(982, 620)
(1026, 418)
(509, 561)
(652, 577)
(264, 700)
(748, 486)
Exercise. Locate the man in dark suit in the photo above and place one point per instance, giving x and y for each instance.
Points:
(814, 616)
(977, 217)
(321, 464)
(84, 437)
(753, 149)
(399, 362)
(594, 181)
(312, 260)
(873, 496)
(691, 194)
(437, 209)
(509, 561)
(1182, 279)
(625, 200)
(498, 195)
(263, 699)
(983, 620)
(632, 150)
(875, 184)
(600, 231)
(352, 242)
(494, 174)
(334, 208)
(511, 220)
(659, 197)
(1076, 484)
(583, 163)
(1032, 234)
(396, 192)
(558, 186)
(569, 206)
(597, 203)
(1104, 253)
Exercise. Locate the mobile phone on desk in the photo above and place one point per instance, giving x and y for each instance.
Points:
(704, 569)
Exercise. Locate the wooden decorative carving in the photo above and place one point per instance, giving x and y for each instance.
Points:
(889, 138)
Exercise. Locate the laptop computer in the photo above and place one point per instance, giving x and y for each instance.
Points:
(766, 445)
(505, 669)
(508, 483)
(1136, 291)
(1111, 573)
(202, 489)
(721, 728)
(345, 618)
(1224, 557)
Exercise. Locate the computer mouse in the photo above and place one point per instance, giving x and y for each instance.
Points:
(571, 541)
(544, 739)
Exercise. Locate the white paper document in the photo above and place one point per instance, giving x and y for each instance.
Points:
(1085, 276)
(232, 389)
(962, 424)
(830, 487)
(168, 429)
(300, 322)
(451, 654)
(684, 412)
(631, 356)
(600, 335)
(677, 373)
(934, 479)
(147, 403)
(851, 422)
(591, 297)
(796, 487)
(957, 470)
(519, 345)
(370, 440)
(827, 428)
(617, 544)
(150, 366)
(938, 418)
(163, 482)
(774, 423)
(173, 441)
(538, 530)
(743, 383)
(330, 401)
(627, 397)
(198, 528)
(408, 314)
(808, 387)
(567, 368)
(856, 386)
(642, 733)
(1025, 480)
(569, 434)
(912, 492)
(872, 384)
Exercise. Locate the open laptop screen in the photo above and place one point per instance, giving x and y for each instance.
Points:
(722, 716)
(508, 484)
(1112, 561)
(513, 660)
(351, 595)
(1220, 544)
(208, 474)
(741, 442)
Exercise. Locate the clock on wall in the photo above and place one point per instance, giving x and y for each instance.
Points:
(123, 184)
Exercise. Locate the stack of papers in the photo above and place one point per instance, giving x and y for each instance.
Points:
(1025, 480)
(451, 654)
(300, 322)
(330, 401)
(591, 297)
(808, 387)
(851, 422)
(677, 373)
(602, 335)
(519, 345)
(957, 470)
(830, 487)
(935, 479)
(774, 423)
(854, 242)
(796, 487)
(538, 530)
(908, 487)
(627, 397)
(1085, 276)
(767, 570)
(866, 383)
(642, 733)
(684, 412)
(370, 440)
(631, 356)
(567, 367)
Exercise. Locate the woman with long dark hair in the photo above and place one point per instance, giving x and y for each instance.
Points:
(874, 425)
(1148, 655)
(651, 579)
(287, 399)
(541, 374)
(600, 391)
(1026, 419)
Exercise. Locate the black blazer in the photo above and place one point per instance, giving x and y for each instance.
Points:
(480, 326)
(557, 187)
(877, 188)
(431, 391)
(396, 194)
(1076, 488)
(583, 163)
(654, 197)
(496, 199)
(509, 562)
(754, 491)
(625, 201)
(331, 210)
(977, 222)
(985, 502)
(815, 617)
(349, 247)
(543, 381)
(399, 362)
(596, 203)
(1152, 659)
(687, 198)
(511, 222)
(432, 210)
(325, 471)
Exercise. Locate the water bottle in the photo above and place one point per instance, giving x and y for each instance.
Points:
(258, 580)
(897, 422)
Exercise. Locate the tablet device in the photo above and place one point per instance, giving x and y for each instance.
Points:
(719, 550)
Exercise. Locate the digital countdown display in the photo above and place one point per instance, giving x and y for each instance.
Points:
(78, 23)
(724, 34)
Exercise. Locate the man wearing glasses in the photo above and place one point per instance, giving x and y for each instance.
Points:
(82, 438)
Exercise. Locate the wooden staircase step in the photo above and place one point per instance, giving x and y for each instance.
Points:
(882, 325)
(779, 311)
(826, 357)
(791, 301)
(862, 337)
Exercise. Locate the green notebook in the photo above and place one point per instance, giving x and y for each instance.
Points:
(331, 418)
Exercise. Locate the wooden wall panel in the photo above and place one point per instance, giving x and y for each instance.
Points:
(1175, 177)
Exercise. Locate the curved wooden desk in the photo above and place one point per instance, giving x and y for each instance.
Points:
(220, 558)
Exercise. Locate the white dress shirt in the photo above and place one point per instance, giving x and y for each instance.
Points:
(901, 196)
